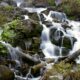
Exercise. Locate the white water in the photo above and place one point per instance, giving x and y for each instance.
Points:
(14, 52)
(47, 47)
(18, 2)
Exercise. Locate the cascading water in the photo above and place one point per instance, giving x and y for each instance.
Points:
(49, 49)
(14, 52)
(74, 31)
(18, 2)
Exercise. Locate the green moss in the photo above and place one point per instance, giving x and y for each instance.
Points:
(7, 8)
(8, 33)
(3, 19)
(71, 8)
(3, 50)
(51, 2)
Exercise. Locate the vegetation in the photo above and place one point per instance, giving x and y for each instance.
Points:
(71, 8)
(51, 2)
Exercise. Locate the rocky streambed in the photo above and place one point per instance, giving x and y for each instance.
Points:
(38, 41)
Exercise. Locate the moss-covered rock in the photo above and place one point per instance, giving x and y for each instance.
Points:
(6, 73)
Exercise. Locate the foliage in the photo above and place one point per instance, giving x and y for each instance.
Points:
(3, 19)
(7, 8)
(51, 2)
(8, 33)
(3, 50)
(71, 8)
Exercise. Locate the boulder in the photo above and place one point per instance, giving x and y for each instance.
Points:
(6, 73)
(11, 2)
(4, 4)
(40, 3)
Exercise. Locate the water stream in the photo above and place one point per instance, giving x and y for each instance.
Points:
(48, 48)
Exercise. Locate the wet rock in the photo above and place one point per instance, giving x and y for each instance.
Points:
(58, 15)
(23, 12)
(68, 42)
(24, 69)
(65, 51)
(34, 17)
(4, 4)
(40, 3)
(55, 36)
(25, 4)
(11, 2)
(48, 24)
(6, 73)
(42, 18)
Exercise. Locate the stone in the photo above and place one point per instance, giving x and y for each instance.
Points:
(4, 4)
(40, 3)
(11, 2)
(6, 73)
(25, 4)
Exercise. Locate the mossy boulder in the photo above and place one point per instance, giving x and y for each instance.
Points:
(6, 73)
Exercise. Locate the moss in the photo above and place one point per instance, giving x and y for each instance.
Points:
(58, 69)
(7, 8)
(51, 2)
(3, 50)
(3, 19)
(62, 67)
(8, 33)
(72, 76)
(6, 73)
(69, 9)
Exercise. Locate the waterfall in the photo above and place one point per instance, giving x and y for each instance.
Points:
(49, 49)
(14, 52)
(18, 2)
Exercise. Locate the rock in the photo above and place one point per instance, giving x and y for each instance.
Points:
(4, 4)
(60, 16)
(23, 12)
(59, 39)
(42, 18)
(55, 36)
(6, 73)
(11, 2)
(40, 3)
(48, 24)
(24, 69)
(34, 17)
(65, 51)
(68, 42)
(25, 4)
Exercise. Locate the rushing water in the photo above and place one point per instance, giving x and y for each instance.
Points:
(49, 49)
